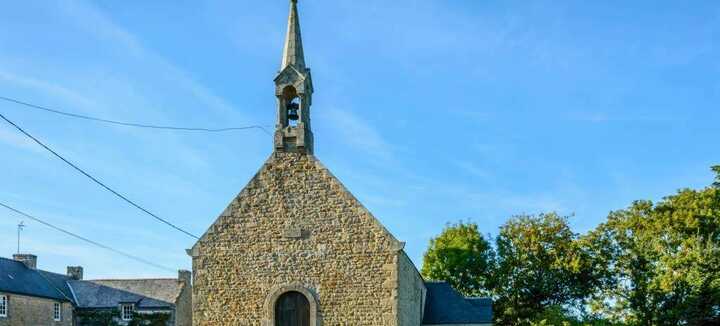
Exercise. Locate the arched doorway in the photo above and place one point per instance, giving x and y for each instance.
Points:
(292, 309)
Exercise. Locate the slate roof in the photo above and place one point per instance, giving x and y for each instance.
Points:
(17, 278)
(91, 295)
(446, 306)
(167, 290)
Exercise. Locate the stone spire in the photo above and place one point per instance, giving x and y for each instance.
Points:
(293, 51)
(293, 89)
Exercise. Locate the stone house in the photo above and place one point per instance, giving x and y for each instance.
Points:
(296, 248)
(29, 296)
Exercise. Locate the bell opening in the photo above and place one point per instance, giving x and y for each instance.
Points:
(293, 113)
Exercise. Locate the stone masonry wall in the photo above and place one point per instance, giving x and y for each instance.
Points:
(295, 223)
(25, 311)
(183, 306)
(411, 292)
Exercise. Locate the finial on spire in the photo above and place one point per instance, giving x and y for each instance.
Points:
(293, 51)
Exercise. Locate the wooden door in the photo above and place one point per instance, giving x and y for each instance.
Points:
(292, 309)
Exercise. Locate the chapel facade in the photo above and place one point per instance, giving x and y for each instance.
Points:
(296, 248)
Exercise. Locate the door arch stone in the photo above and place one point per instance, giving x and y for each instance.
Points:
(278, 291)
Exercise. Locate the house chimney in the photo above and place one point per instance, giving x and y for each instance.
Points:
(185, 276)
(75, 272)
(29, 260)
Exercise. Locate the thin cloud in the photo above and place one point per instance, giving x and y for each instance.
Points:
(472, 169)
(14, 139)
(48, 88)
(92, 20)
(519, 204)
(358, 133)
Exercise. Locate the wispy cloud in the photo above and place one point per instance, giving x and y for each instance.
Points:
(49, 88)
(355, 131)
(12, 138)
(472, 169)
(94, 21)
(513, 203)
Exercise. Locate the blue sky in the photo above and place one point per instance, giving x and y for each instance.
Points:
(429, 111)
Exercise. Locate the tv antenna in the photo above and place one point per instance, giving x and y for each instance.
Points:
(20, 226)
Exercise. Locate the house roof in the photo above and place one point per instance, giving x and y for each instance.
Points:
(445, 306)
(167, 290)
(97, 296)
(17, 278)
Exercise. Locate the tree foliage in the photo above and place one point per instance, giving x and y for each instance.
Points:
(648, 264)
(111, 317)
(540, 266)
(462, 257)
(97, 317)
(662, 260)
(149, 319)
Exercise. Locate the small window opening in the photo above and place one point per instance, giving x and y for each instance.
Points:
(293, 112)
(57, 311)
(293, 105)
(126, 312)
(3, 306)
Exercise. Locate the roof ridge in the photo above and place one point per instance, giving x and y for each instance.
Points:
(134, 279)
(58, 274)
(33, 269)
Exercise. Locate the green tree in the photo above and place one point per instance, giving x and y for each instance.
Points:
(97, 317)
(540, 267)
(149, 319)
(662, 260)
(461, 256)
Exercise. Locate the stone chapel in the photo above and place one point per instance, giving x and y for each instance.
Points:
(296, 248)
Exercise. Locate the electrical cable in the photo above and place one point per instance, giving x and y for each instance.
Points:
(96, 180)
(131, 124)
(100, 245)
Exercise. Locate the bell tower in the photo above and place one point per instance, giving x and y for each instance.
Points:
(293, 89)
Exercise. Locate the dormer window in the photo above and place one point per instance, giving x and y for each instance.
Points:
(126, 311)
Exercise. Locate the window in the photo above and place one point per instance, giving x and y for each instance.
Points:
(57, 311)
(292, 309)
(126, 312)
(3, 306)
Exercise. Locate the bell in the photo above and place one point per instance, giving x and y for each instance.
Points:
(293, 111)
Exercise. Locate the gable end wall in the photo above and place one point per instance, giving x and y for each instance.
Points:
(295, 223)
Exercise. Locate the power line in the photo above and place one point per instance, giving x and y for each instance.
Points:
(131, 124)
(136, 258)
(96, 180)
